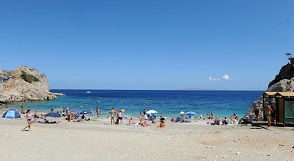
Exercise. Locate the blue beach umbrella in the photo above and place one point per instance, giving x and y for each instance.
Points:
(12, 113)
(52, 114)
(190, 113)
(73, 111)
(85, 112)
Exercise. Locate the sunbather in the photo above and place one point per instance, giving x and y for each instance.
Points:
(162, 124)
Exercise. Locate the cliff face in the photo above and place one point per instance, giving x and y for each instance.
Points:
(25, 84)
(283, 82)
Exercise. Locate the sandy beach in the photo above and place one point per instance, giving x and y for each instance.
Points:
(97, 140)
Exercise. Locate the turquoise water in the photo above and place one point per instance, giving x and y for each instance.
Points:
(169, 103)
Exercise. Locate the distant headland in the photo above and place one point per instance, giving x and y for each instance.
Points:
(24, 84)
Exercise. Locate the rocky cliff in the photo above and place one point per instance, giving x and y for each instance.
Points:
(24, 84)
(283, 82)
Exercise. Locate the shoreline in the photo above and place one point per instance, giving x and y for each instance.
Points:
(168, 103)
(106, 113)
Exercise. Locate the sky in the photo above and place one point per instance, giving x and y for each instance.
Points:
(148, 44)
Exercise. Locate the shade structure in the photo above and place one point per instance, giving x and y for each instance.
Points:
(151, 112)
(52, 114)
(190, 113)
(73, 110)
(85, 112)
(12, 113)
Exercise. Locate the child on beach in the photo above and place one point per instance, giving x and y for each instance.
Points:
(29, 117)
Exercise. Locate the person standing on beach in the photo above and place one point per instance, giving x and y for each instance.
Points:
(97, 111)
(29, 117)
(112, 115)
(268, 113)
(256, 111)
(22, 109)
(52, 108)
(91, 110)
(120, 116)
(67, 110)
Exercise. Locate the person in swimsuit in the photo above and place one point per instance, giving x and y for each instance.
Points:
(256, 111)
(268, 111)
(162, 124)
(29, 117)
(22, 109)
(120, 116)
(97, 112)
(112, 114)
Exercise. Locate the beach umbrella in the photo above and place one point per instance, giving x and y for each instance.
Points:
(12, 113)
(151, 112)
(190, 113)
(52, 114)
(73, 111)
(182, 113)
(85, 112)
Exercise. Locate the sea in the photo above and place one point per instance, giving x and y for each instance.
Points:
(169, 103)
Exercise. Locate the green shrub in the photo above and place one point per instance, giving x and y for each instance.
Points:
(28, 77)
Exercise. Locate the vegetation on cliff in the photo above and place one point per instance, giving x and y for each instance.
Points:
(28, 77)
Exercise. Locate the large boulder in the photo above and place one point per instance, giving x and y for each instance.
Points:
(25, 84)
(286, 72)
(283, 82)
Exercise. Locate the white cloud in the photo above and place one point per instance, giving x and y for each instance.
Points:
(226, 77)
(223, 78)
(213, 79)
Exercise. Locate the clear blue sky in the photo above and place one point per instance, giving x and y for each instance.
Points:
(148, 44)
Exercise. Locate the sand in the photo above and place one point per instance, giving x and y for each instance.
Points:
(96, 140)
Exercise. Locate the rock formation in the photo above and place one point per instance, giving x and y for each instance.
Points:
(25, 84)
(283, 82)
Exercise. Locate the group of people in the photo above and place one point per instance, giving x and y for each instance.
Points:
(31, 118)
(268, 111)
(225, 121)
(116, 117)
(145, 117)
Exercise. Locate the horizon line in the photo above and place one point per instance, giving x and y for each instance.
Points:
(157, 89)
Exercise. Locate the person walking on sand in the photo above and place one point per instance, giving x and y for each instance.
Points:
(112, 115)
(256, 111)
(29, 117)
(268, 111)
